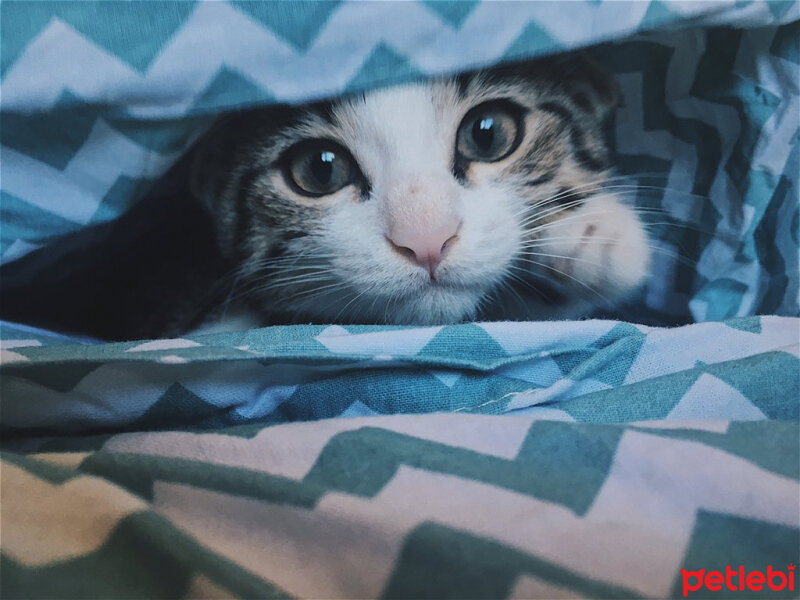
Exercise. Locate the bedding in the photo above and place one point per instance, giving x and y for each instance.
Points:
(213, 466)
(611, 457)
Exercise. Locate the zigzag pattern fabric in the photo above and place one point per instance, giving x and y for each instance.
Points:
(594, 458)
(443, 506)
(586, 371)
(608, 457)
(710, 115)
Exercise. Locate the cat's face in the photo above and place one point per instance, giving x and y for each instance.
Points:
(429, 202)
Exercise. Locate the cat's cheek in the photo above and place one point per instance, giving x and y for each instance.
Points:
(492, 229)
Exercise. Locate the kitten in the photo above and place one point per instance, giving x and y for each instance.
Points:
(473, 197)
(479, 196)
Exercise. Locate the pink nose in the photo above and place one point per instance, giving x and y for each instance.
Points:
(425, 247)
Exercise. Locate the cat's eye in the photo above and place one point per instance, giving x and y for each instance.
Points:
(319, 167)
(490, 132)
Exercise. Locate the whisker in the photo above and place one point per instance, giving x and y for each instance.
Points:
(282, 285)
(573, 258)
(344, 308)
(576, 280)
(562, 220)
(525, 283)
(595, 240)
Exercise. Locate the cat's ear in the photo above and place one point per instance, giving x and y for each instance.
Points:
(590, 86)
(213, 179)
(575, 77)
(208, 166)
(235, 143)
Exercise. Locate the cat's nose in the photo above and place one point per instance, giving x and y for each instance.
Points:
(426, 247)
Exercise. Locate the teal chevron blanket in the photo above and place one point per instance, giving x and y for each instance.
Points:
(600, 458)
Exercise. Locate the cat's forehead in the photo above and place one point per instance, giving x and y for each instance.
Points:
(435, 103)
(428, 108)
(407, 121)
(423, 103)
(410, 125)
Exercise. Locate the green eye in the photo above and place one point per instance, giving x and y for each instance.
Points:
(490, 132)
(319, 167)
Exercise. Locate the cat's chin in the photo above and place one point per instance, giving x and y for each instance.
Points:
(436, 305)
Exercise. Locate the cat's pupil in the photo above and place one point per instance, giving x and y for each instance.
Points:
(483, 133)
(322, 166)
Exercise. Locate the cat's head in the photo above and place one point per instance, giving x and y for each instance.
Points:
(426, 202)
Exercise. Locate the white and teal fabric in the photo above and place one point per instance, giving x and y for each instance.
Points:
(584, 459)
(586, 371)
(100, 99)
(591, 458)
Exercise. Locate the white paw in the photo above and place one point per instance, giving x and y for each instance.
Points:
(600, 251)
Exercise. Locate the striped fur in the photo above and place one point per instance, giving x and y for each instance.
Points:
(326, 259)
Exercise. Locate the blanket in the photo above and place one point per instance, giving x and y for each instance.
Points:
(460, 506)
(649, 452)
(99, 100)
(595, 458)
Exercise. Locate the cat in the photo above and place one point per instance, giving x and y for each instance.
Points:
(479, 196)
